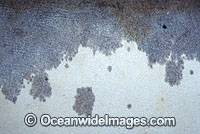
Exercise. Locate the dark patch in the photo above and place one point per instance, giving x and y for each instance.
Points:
(164, 26)
(19, 32)
(66, 66)
(144, 22)
(35, 34)
(70, 59)
(174, 72)
(14, 99)
(128, 49)
(40, 88)
(84, 101)
(46, 78)
(109, 68)
(129, 106)
(191, 72)
(20, 5)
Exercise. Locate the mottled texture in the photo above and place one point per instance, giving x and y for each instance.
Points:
(164, 30)
(174, 72)
(35, 39)
(84, 101)
(40, 88)
(36, 34)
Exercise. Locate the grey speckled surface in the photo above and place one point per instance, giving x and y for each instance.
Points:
(39, 36)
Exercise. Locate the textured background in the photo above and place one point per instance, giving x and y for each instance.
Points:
(131, 81)
(48, 49)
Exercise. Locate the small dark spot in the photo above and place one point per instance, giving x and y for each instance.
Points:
(164, 26)
(128, 49)
(46, 79)
(129, 106)
(66, 66)
(109, 68)
(191, 72)
(14, 99)
(70, 59)
(162, 99)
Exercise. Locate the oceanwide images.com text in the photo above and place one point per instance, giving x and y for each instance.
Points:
(94, 121)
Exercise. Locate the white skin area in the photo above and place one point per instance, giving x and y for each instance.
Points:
(131, 81)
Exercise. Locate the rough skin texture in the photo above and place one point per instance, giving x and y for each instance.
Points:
(36, 34)
(40, 88)
(84, 101)
(174, 72)
(35, 40)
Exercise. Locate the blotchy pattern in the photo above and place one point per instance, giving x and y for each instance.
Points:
(174, 72)
(36, 34)
(40, 88)
(166, 31)
(35, 40)
(84, 101)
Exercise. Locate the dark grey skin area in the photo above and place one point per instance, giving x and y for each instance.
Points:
(174, 72)
(35, 40)
(84, 101)
(109, 68)
(36, 34)
(40, 88)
